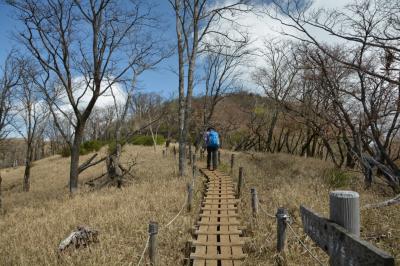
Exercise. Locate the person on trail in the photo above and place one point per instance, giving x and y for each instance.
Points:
(211, 139)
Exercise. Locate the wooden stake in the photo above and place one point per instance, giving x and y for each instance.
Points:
(254, 201)
(194, 168)
(190, 197)
(153, 231)
(344, 208)
(0, 195)
(190, 154)
(281, 218)
(240, 183)
(232, 162)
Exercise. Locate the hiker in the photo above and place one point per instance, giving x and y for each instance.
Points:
(211, 139)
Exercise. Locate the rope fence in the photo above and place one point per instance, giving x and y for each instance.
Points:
(144, 251)
(186, 202)
(304, 246)
(286, 220)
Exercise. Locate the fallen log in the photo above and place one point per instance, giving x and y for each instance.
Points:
(394, 201)
(81, 237)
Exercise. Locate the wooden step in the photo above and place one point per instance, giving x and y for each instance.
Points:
(216, 232)
(217, 244)
(218, 223)
(204, 256)
(210, 208)
(218, 215)
(230, 202)
(227, 197)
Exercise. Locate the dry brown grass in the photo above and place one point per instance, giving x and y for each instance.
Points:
(287, 181)
(35, 222)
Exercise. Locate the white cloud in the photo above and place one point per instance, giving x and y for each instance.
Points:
(261, 27)
(104, 101)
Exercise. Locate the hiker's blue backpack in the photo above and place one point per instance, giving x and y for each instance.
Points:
(213, 139)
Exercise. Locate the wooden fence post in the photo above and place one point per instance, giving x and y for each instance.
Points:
(153, 231)
(190, 196)
(194, 168)
(240, 183)
(219, 157)
(232, 162)
(193, 159)
(254, 201)
(344, 209)
(281, 218)
(0, 196)
(190, 154)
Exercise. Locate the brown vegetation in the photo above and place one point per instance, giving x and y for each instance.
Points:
(35, 223)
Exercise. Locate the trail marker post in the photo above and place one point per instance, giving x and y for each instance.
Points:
(190, 154)
(344, 209)
(282, 217)
(254, 201)
(153, 231)
(232, 162)
(339, 235)
(240, 183)
(189, 197)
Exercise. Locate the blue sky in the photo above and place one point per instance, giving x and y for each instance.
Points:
(161, 80)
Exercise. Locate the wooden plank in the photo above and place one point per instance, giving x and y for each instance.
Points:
(210, 207)
(217, 215)
(217, 257)
(219, 223)
(220, 194)
(201, 249)
(212, 250)
(234, 202)
(218, 240)
(226, 250)
(219, 198)
(217, 232)
(343, 248)
(209, 243)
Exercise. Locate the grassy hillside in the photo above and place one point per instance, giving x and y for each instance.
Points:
(36, 222)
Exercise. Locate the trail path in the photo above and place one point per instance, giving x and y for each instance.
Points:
(217, 238)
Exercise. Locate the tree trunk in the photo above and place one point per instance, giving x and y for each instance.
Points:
(74, 172)
(182, 144)
(28, 163)
(271, 130)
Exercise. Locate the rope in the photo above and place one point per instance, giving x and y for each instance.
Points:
(162, 227)
(264, 211)
(259, 203)
(304, 246)
(144, 250)
(176, 216)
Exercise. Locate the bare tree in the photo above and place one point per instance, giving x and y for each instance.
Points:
(277, 77)
(84, 48)
(31, 115)
(196, 21)
(9, 79)
(366, 111)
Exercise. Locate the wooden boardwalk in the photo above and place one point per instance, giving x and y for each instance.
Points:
(217, 236)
